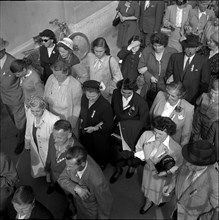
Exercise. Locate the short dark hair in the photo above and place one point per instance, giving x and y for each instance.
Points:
(24, 195)
(100, 42)
(127, 84)
(159, 38)
(77, 152)
(177, 86)
(63, 124)
(48, 33)
(136, 38)
(19, 64)
(61, 65)
(179, 1)
(164, 124)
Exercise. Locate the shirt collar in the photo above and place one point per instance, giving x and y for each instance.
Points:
(186, 58)
(204, 12)
(80, 173)
(126, 101)
(166, 141)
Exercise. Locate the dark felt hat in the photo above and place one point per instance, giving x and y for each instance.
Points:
(200, 153)
(91, 84)
(191, 41)
(47, 33)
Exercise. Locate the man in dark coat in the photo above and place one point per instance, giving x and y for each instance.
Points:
(190, 68)
(151, 15)
(82, 171)
(12, 95)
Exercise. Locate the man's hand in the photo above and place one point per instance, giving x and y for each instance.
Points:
(91, 129)
(154, 80)
(82, 192)
(167, 190)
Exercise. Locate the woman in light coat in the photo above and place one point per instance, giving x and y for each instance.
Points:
(38, 129)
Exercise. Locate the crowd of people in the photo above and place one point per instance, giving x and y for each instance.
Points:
(157, 107)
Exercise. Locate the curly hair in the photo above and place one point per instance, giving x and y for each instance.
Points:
(19, 64)
(159, 38)
(164, 124)
(100, 42)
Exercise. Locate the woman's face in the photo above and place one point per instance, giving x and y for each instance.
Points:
(173, 97)
(137, 47)
(59, 75)
(24, 209)
(214, 95)
(158, 48)
(37, 111)
(63, 52)
(47, 42)
(160, 135)
(126, 93)
(211, 44)
(99, 52)
(92, 96)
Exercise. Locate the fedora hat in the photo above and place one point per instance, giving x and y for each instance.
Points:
(200, 153)
(67, 42)
(3, 43)
(191, 41)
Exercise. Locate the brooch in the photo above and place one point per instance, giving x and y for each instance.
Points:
(180, 117)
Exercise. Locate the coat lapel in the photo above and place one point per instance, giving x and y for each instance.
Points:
(180, 67)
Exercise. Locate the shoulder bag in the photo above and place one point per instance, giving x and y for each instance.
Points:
(116, 20)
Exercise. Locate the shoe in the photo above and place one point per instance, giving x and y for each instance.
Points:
(50, 190)
(130, 172)
(143, 210)
(116, 175)
(19, 148)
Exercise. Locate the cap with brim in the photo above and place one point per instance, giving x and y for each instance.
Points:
(200, 153)
(67, 42)
(3, 44)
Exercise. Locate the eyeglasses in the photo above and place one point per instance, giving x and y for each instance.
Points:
(45, 40)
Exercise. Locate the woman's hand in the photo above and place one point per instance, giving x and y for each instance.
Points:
(122, 18)
(154, 80)
(162, 174)
(143, 70)
(167, 189)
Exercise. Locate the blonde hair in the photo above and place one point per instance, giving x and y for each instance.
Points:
(37, 101)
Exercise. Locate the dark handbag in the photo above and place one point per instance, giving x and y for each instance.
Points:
(166, 163)
(116, 20)
(152, 91)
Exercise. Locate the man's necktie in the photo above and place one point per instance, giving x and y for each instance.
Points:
(187, 64)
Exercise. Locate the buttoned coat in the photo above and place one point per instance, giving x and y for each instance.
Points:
(170, 19)
(39, 154)
(200, 196)
(99, 204)
(150, 19)
(197, 24)
(195, 79)
(182, 119)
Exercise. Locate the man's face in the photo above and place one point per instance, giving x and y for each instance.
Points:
(60, 136)
(2, 53)
(73, 165)
(190, 51)
(203, 5)
(192, 167)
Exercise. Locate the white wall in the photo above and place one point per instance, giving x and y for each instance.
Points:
(21, 20)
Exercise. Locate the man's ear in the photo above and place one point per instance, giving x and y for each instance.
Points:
(69, 135)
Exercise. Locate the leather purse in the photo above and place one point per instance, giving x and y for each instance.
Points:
(166, 163)
(116, 20)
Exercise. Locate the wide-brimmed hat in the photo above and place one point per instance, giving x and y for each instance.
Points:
(3, 44)
(67, 42)
(200, 153)
(191, 41)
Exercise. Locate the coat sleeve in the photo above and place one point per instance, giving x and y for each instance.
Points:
(8, 174)
(116, 72)
(155, 102)
(166, 17)
(159, 15)
(48, 158)
(104, 200)
(170, 68)
(187, 128)
(66, 183)
(205, 76)
(123, 53)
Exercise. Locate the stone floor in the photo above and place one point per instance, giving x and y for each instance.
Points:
(126, 192)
